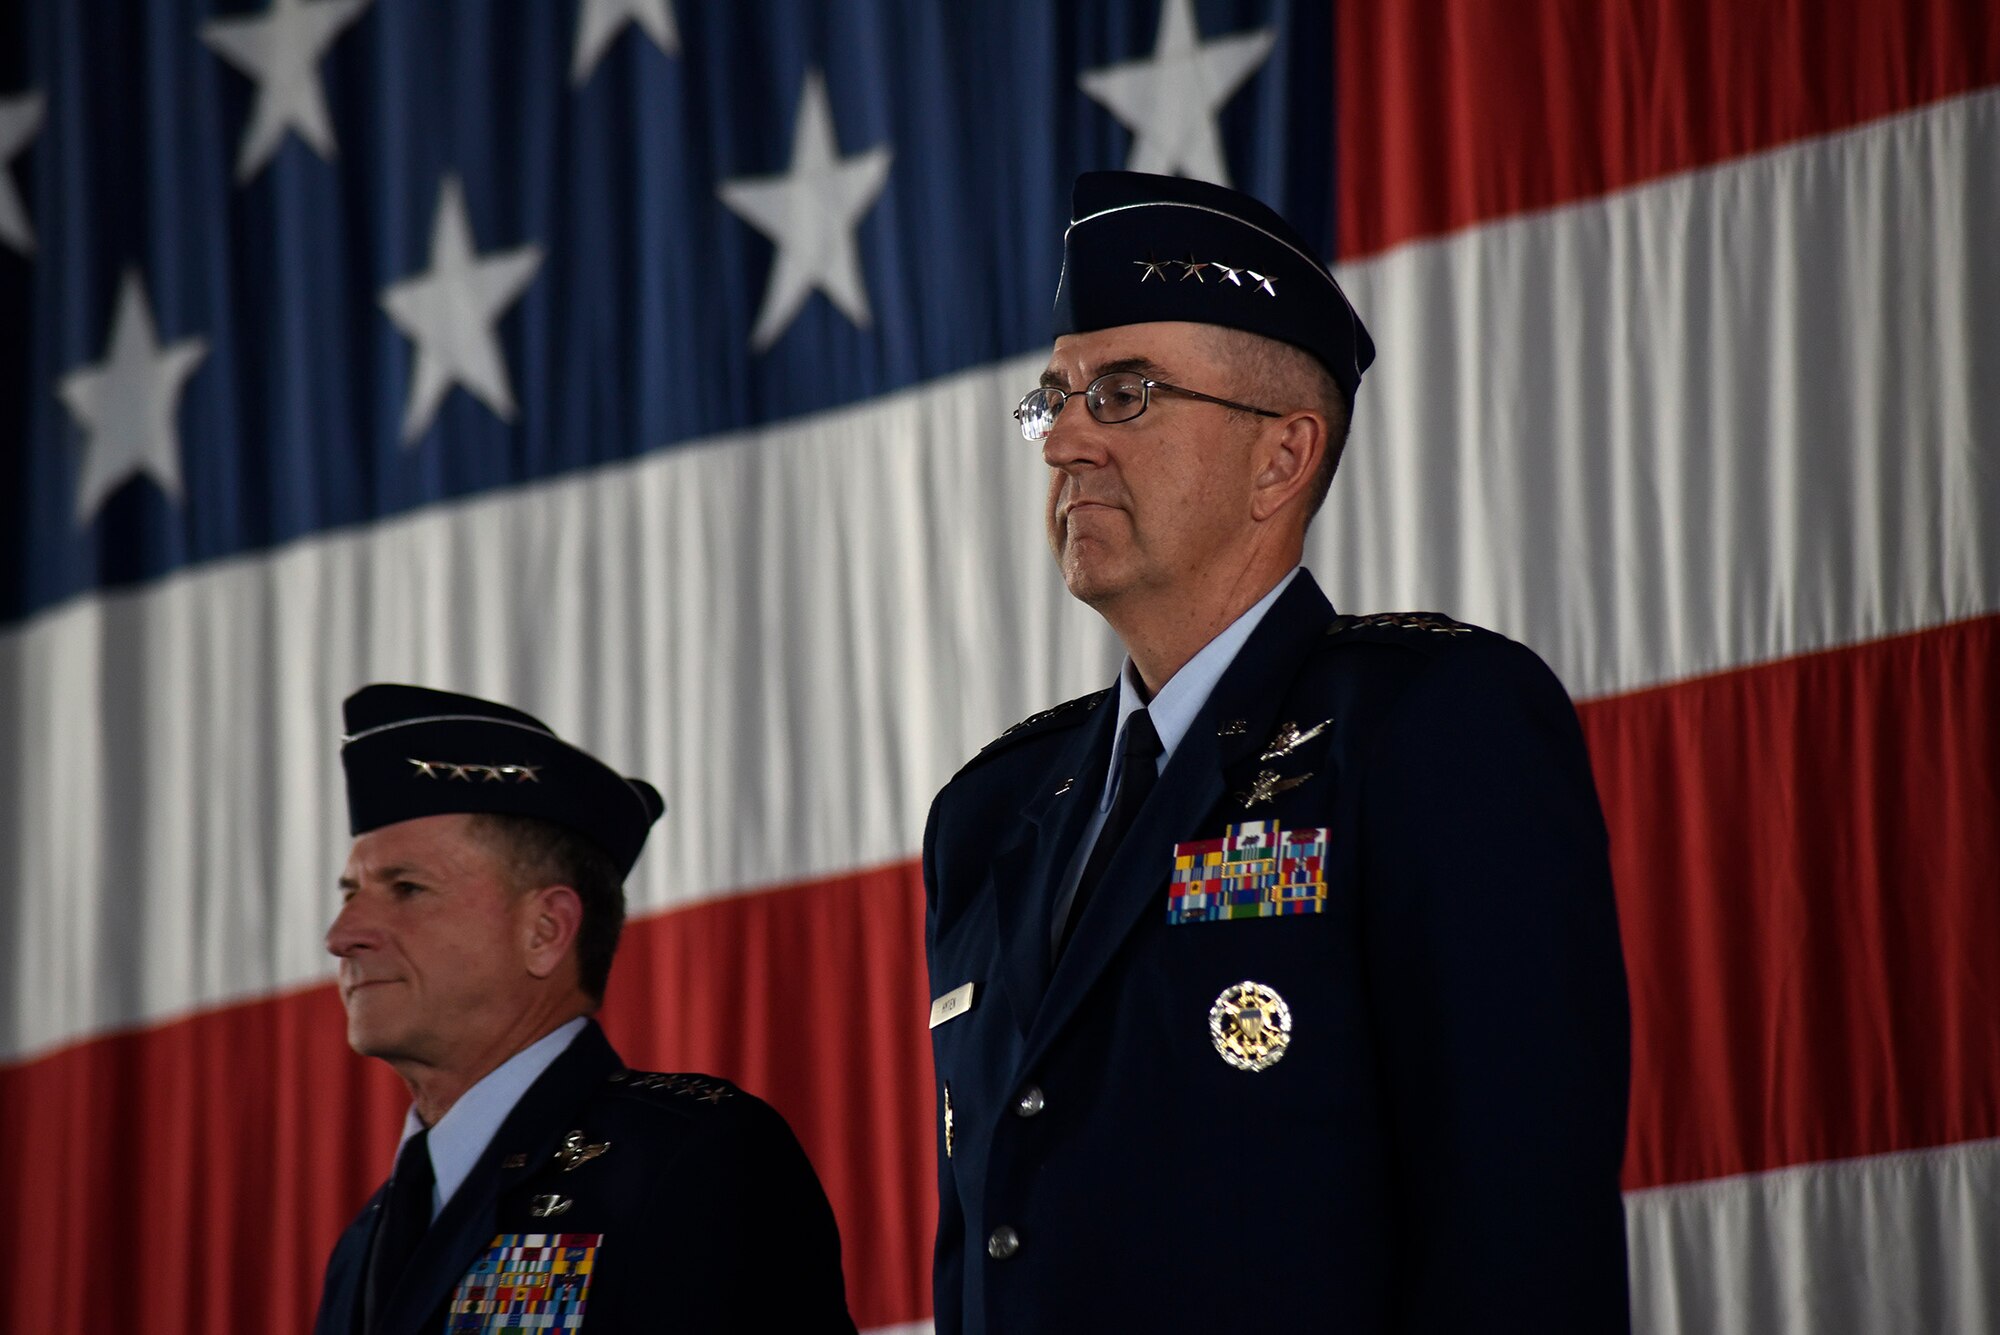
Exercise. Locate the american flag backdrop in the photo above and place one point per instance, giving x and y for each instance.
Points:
(647, 364)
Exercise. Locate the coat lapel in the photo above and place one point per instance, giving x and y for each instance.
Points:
(1195, 780)
(340, 1301)
(1026, 872)
(469, 1220)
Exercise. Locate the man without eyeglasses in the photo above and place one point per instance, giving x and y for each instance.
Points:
(540, 1183)
(1277, 986)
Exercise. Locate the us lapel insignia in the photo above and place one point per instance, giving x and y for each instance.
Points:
(549, 1206)
(1066, 785)
(531, 1281)
(1289, 739)
(1250, 1025)
(947, 1119)
(1235, 727)
(575, 1152)
(1268, 785)
(1255, 870)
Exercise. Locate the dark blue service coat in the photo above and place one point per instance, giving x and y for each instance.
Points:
(1437, 1148)
(711, 1217)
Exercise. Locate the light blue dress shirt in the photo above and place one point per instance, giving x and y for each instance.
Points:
(469, 1125)
(1173, 711)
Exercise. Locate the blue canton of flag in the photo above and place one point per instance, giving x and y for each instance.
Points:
(277, 268)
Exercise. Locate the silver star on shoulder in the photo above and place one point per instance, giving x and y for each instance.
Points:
(810, 213)
(20, 122)
(128, 402)
(281, 49)
(1169, 100)
(1153, 268)
(598, 23)
(1230, 273)
(1192, 268)
(449, 312)
(425, 769)
(1264, 281)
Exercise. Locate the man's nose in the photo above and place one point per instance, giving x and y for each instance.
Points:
(1075, 437)
(351, 930)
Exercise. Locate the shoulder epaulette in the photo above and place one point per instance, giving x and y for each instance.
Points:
(1049, 717)
(1430, 623)
(681, 1084)
(1069, 711)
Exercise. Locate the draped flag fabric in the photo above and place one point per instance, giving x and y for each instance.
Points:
(647, 364)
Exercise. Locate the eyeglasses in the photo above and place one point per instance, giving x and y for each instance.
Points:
(1116, 396)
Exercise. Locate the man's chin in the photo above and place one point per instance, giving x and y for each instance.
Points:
(373, 1035)
(1089, 573)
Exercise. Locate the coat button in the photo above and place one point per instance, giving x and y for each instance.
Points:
(1002, 1243)
(1030, 1102)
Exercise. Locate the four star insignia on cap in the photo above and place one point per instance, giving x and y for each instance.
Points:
(394, 741)
(1198, 270)
(1118, 217)
(469, 773)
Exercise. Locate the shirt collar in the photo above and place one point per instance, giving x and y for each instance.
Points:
(469, 1125)
(1173, 710)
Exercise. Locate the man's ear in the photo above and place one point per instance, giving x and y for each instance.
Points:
(550, 922)
(1287, 457)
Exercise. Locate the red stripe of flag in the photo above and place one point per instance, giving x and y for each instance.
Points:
(1807, 856)
(1456, 114)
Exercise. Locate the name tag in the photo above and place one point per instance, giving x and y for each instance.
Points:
(951, 1005)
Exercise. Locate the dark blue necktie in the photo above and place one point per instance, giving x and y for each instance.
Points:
(1138, 772)
(406, 1217)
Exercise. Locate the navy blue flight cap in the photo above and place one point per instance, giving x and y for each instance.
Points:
(1142, 248)
(411, 751)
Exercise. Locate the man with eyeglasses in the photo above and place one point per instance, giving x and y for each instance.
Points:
(1278, 986)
